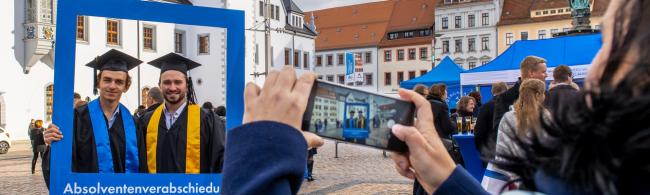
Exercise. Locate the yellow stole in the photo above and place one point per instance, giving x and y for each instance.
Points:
(193, 147)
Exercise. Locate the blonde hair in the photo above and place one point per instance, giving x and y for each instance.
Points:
(530, 64)
(529, 105)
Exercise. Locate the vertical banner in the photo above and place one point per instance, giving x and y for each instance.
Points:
(349, 68)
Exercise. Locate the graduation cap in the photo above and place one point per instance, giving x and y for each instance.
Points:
(173, 61)
(113, 60)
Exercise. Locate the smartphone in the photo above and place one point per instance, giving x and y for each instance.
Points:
(350, 115)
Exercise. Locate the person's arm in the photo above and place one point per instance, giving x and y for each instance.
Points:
(460, 182)
(264, 158)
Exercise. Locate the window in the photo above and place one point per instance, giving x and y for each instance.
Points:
(485, 43)
(483, 62)
(341, 79)
(459, 46)
(319, 61)
(554, 31)
(400, 54)
(445, 46)
(49, 101)
(305, 59)
(81, 28)
(538, 13)
(524, 35)
(472, 65)
(272, 12)
(541, 34)
(368, 79)
(471, 21)
(565, 29)
(287, 57)
(330, 60)
(424, 52)
(320, 77)
(368, 57)
(387, 79)
(445, 23)
(408, 34)
(426, 32)
(423, 72)
(341, 60)
(296, 59)
(545, 12)
(204, 44)
(387, 55)
(486, 19)
(553, 11)
(277, 12)
(412, 54)
(400, 77)
(148, 36)
(411, 75)
(457, 22)
(179, 42)
(392, 36)
(471, 44)
(330, 78)
(560, 11)
(509, 37)
(261, 8)
(112, 32)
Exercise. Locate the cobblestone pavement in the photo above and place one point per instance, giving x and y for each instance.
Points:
(357, 170)
(15, 171)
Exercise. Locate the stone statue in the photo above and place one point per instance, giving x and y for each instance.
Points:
(580, 11)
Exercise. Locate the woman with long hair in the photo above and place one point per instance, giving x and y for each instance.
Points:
(521, 124)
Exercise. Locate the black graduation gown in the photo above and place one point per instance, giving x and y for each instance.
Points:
(172, 142)
(84, 151)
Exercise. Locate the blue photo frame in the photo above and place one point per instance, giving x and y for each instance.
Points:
(62, 179)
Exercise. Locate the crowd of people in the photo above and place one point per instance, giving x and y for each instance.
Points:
(564, 140)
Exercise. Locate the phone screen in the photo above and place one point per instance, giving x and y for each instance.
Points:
(354, 116)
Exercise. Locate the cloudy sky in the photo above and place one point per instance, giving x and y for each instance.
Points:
(310, 5)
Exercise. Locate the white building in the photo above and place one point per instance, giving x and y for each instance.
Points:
(468, 29)
(26, 48)
(291, 36)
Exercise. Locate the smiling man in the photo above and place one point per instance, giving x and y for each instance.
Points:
(180, 136)
(105, 138)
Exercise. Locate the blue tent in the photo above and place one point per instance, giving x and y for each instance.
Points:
(575, 51)
(446, 72)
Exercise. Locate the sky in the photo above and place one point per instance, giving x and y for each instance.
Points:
(311, 5)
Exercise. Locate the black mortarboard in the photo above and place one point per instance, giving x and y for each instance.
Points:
(112, 60)
(173, 61)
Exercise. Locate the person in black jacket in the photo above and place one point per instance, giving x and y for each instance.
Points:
(477, 97)
(437, 97)
(485, 136)
(532, 67)
(38, 144)
(563, 91)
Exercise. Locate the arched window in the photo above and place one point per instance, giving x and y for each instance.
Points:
(49, 96)
(144, 95)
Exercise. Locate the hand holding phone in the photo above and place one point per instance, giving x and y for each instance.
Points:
(350, 115)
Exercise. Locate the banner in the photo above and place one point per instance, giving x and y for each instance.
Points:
(353, 67)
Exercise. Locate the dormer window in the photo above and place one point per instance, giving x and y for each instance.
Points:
(296, 21)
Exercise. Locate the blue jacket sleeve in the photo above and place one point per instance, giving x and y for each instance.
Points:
(460, 182)
(264, 158)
